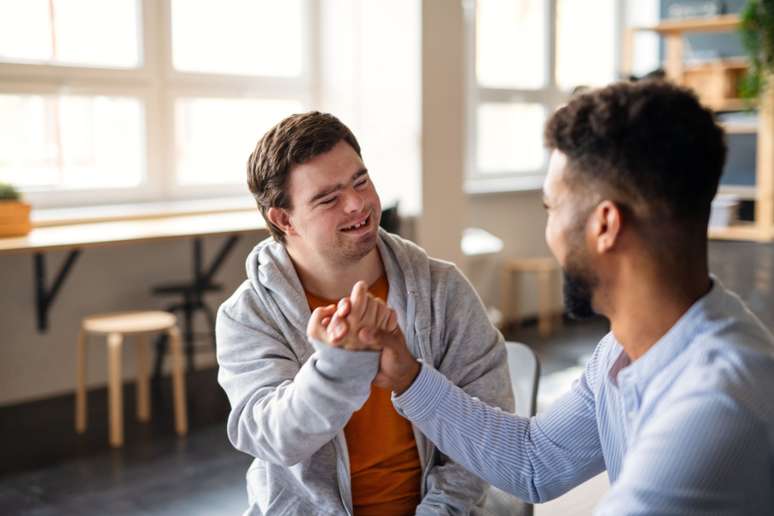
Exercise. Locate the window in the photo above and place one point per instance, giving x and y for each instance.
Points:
(526, 57)
(127, 100)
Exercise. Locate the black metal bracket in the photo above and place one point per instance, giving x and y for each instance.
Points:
(205, 277)
(45, 297)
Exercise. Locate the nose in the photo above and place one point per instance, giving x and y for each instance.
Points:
(353, 201)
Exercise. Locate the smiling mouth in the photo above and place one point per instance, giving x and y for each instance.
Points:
(365, 222)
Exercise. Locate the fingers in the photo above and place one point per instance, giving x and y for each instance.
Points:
(392, 322)
(383, 319)
(359, 298)
(373, 311)
(344, 306)
(337, 328)
(315, 327)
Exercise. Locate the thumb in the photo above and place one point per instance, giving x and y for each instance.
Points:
(313, 327)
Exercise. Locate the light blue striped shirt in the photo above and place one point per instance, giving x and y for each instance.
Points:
(686, 429)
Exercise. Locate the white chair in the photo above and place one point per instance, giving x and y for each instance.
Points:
(524, 368)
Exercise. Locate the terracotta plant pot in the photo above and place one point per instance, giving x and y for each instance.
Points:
(14, 218)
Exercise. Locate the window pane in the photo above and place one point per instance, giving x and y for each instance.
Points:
(585, 43)
(511, 43)
(510, 138)
(645, 48)
(215, 136)
(74, 32)
(69, 142)
(246, 37)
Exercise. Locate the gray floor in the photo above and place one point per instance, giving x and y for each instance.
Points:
(199, 475)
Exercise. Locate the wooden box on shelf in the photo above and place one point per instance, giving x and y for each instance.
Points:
(716, 82)
(14, 218)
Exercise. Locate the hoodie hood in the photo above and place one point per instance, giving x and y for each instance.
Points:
(272, 274)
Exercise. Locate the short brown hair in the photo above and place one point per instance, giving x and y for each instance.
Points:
(293, 141)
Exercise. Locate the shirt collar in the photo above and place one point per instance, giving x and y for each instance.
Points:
(673, 342)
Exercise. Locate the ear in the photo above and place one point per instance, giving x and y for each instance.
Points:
(281, 218)
(605, 226)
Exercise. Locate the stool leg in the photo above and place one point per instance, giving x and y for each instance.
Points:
(505, 293)
(115, 398)
(515, 297)
(544, 301)
(143, 382)
(80, 389)
(178, 381)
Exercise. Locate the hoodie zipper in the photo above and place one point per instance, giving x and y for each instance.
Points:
(426, 454)
(343, 473)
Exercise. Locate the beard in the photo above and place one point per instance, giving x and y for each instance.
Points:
(579, 285)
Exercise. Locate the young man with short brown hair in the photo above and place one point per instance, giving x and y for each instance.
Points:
(325, 440)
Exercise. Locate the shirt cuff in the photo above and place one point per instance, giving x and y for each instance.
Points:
(422, 398)
(345, 364)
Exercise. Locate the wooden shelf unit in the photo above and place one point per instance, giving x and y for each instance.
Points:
(673, 31)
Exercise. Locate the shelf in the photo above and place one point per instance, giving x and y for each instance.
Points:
(735, 63)
(739, 127)
(748, 231)
(745, 193)
(710, 24)
(729, 105)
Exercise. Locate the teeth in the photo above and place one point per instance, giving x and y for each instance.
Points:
(355, 226)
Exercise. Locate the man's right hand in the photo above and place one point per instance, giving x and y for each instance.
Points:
(379, 329)
(341, 325)
(397, 366)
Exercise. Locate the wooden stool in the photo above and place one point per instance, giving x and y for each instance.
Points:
(116, 326)
(546, 269)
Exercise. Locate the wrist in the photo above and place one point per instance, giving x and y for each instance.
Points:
(407, 380)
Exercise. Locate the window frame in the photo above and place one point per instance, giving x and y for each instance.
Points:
(158, 85)
(550, 97)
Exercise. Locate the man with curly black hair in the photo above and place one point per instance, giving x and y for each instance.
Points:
(676, 402)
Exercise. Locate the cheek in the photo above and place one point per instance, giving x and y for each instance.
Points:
(550, 233)
(373, 197)
(554, 238)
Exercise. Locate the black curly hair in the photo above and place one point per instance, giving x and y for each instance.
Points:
(649, 145)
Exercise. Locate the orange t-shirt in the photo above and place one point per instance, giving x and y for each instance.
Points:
(383, 457)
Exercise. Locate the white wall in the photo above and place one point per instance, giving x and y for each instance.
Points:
(444, 205)
(35, 365)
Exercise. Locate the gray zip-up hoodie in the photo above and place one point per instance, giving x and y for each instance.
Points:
(290, 399)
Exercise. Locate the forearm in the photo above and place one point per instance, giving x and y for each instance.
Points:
(509, 451)
(285, 420)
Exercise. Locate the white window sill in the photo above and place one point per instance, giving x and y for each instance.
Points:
(42, 217)
(491, 185)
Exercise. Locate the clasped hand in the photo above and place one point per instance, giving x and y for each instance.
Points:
(362, 322)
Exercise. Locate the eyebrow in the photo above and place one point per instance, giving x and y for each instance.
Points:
(334, 188)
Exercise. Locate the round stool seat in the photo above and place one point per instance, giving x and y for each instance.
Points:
(129, 322)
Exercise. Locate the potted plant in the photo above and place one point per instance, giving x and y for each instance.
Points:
(14, 214)
(757, 33)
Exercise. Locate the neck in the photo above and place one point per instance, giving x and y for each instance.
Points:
(335, 280)
(649, 299)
